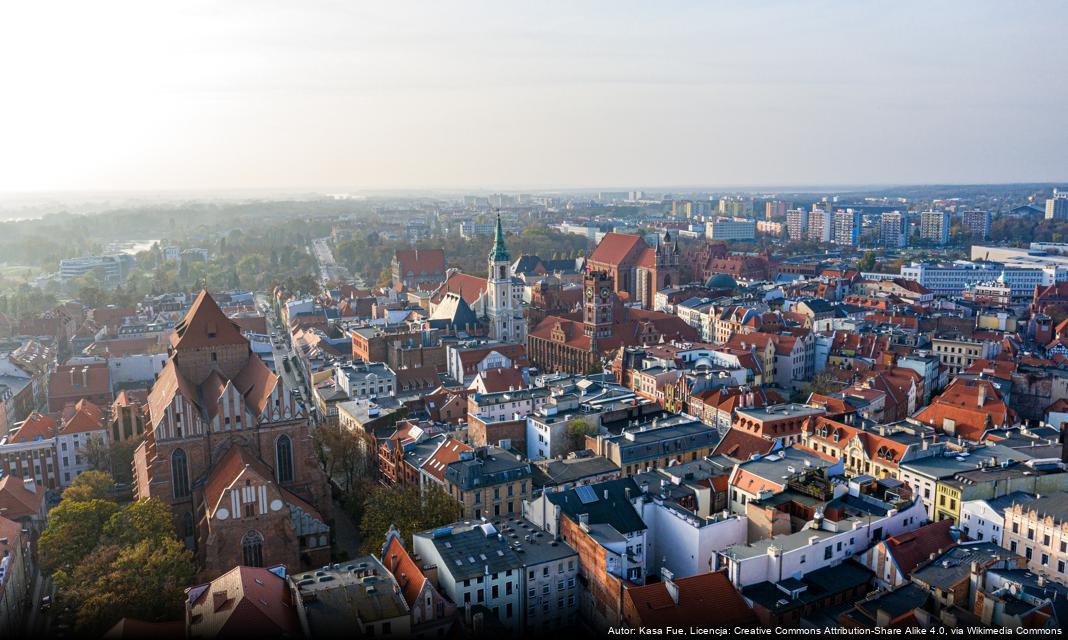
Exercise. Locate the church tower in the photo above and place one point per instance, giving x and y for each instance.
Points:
(505, 318)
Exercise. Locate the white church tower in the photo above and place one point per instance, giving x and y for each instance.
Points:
(505, 316)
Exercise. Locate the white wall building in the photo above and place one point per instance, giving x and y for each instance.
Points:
(797, 554)
(684, 543)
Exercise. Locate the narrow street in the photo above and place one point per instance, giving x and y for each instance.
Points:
(346, 532)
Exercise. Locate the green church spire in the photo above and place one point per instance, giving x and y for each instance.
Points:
(499, 253)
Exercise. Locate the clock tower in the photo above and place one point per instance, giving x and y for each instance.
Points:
(597, 302)
(505, 317)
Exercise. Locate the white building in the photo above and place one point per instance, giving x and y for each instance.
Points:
(362, 380)
(952, 278)
(686, 543)
(730, 229)
(475, 567)
(984, 520)
(827, 543)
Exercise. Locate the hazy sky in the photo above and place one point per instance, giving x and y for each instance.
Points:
(304, 94)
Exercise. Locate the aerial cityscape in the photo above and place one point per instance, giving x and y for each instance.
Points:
(481, 322)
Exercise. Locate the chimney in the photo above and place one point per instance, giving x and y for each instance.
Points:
(672, 589)
(982, 395)
(72, 376)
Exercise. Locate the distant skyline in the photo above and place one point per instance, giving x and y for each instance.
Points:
(282, 96)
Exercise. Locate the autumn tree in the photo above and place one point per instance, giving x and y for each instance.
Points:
(145, 581)
(73, 531)
(90, 485)
(406, 508)
(346, 456)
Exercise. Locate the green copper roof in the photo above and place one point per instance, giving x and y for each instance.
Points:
(499, 253)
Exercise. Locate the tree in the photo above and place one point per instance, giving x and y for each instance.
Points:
(90, 485)
(408, 510)
(139, 521)
(74, 528)
(145, 581)
(346, 456)
(867, 262)
(577, 430)
(114, 458)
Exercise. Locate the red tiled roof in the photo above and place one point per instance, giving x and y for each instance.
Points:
(169, 383)
(740, 445)
(838, 434)
(615, 248)
(420, 261)
(704, 600)
(447, 452)
(256, 382)
(500, 379)
(960, 403)
(752, 483)
(87, 417)
(16, 501)
(88, 380)
(417, 379)
(206, 325)
(404, 570)
(253, 603)
(469, 287)
(911, 549)
(252, 324)
(37, 426)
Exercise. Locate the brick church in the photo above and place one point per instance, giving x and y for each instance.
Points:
(228, 449)
(637, 270)
(581, 342)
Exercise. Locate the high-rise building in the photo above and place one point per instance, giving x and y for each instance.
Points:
(1057, 206)
(682, 208)
(820, 225)
(934, 226)
(847, 227)
(892, 229)
(730, 229)
(774, 210)
(976, 224)
(797, 224)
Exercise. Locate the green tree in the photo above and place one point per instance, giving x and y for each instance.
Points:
(138, 521)
(113, 458)
(577, 430)
(867, 262)
(74, 528)
(403, 507)
(90, 485)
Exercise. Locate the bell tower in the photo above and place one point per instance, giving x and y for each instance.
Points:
(505, 318)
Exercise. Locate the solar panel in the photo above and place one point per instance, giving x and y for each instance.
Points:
(586, 494)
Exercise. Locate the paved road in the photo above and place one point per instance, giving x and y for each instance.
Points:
(281, 351)
(346, 533)
(39, 623)
(329, 270)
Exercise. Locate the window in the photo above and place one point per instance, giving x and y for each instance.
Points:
(828, 551)
(179, 474)
(284, 456)
(252, 549)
